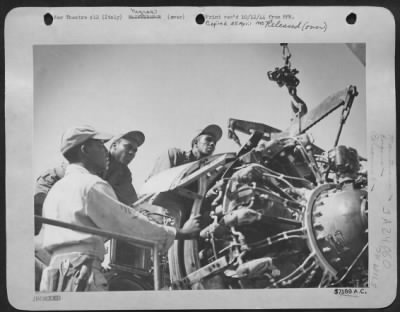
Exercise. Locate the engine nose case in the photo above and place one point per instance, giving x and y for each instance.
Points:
(336, 225)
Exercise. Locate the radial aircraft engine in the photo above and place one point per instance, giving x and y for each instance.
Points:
(280, 212)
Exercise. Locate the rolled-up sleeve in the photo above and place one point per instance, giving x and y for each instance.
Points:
(109, 214)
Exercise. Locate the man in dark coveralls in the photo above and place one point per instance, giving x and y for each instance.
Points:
(203, 145)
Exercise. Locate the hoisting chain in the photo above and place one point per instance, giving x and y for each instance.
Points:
(286, 76)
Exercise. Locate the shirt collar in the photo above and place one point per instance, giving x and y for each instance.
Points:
(75, 168)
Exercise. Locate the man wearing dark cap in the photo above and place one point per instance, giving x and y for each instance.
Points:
(81, 197)
(123, 149)
(203, 145)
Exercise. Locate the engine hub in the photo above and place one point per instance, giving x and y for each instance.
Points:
(336, 226)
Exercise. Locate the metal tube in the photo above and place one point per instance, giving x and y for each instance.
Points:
(156, 265)
(104, 233)
(93, 230)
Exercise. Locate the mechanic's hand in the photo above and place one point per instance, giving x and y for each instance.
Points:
(105, 265)
(190, 229)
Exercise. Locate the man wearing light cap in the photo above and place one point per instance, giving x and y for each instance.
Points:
(203, 145)
(122, 151)
(81, 197)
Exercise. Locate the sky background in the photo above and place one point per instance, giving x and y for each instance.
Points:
(171, 91)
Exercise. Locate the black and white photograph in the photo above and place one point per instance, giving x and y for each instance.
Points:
(200, 168)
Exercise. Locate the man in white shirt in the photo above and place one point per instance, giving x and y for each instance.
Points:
(83, 198)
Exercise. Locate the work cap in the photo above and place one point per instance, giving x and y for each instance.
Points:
(77, 135)
(136, 136)
(213, 130)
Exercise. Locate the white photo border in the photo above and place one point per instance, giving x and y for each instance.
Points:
(24, 28)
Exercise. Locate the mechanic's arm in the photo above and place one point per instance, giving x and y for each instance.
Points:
(110, 214)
